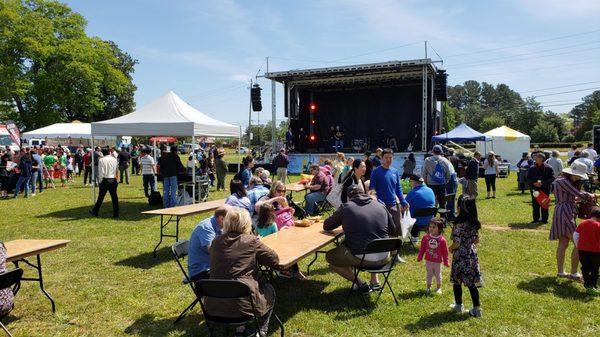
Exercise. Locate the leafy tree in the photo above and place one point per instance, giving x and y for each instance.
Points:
(526, 118)
(544, 132)
(51, 71)
(557, 121)
(586, 114)
(449, 117)
(491, 122)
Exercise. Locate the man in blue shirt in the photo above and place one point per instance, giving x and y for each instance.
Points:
(246, 173)
(256, 191)
(37, 174)
(200, 240)
(419, 197)
(385, 181)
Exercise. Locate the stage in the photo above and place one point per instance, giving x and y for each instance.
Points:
(299, 162)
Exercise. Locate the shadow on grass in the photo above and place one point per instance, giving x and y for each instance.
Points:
(147, 260)
(128, 211)
(526, 225)
(151, 326)
(412, 295)
(435, 320)
(551, 285)
(512, 194)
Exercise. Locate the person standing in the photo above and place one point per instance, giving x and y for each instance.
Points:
(148, 172)
(246, 172)
(377, 158)
(170, 165)
(368, 164)
(49, 161)
(566, 190)
(123, 157)
(108, 174)
(436, 172)
(471, 176)
(87, 167)
(539, 177)
(385, 182)
(523, 166)
(36, 174)
(79, 161)
(408, 167)
(281, 162)
(135, 160)
(555, 162)
(587, 241)
(24, 173)
(96, 159)
(491, 171)
(289, 139)
(221, 170)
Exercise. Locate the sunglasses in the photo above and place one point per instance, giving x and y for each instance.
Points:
(280, 190)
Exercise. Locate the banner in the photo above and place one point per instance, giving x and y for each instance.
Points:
(13, 131)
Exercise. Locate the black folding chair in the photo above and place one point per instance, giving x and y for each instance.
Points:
(389, 245)
(323, 207)
(229, 289)
(10, 279)
(180, 250)
(444, 211)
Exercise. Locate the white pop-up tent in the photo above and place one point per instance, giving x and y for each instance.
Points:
(75, 129)
(508, 143)
(169, 115)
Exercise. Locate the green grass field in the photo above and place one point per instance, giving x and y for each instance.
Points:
(106, 282)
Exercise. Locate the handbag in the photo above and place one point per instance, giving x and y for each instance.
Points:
(542, 199)
(335, 195)
(406, 224)
(284, 218)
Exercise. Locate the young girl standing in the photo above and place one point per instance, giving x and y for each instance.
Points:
(435, 250)
(465, 263)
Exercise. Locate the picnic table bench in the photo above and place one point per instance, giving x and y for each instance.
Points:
(176, 213)
(19, 250)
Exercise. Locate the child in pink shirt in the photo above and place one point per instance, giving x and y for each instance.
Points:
(435, 249)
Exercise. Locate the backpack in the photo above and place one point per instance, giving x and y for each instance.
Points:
(438, 177)
(155, 199)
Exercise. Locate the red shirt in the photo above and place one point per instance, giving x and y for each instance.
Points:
(589, 236)
(434, 248)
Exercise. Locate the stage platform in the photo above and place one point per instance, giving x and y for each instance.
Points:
(299, 162)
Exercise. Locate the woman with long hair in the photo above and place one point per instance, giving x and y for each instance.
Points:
(490, 165)
(356, 176)
(238, 197)
(408, 167)
(567, 192)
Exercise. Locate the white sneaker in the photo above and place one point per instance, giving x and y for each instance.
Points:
(475, 312)
(400, 260)
(33, 194)
(457, 308)
(428, 291)
(438, 291)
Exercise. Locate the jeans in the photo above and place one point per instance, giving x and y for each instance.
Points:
(490, 182)
(87, 175)
(110, 186)
(311, 199)
(35, 176)
(169, 191)
(148, 180)
(22, 180)
(124, 171)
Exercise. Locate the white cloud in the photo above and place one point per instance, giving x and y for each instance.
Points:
(560, 9)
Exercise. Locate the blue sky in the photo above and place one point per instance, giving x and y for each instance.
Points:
(206, 51)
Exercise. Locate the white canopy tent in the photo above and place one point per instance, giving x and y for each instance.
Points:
(169, 115)
(508, 143)
(75, 129)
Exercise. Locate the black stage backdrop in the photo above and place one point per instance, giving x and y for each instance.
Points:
(363, 113)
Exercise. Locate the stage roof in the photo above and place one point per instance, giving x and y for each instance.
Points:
(371, 72)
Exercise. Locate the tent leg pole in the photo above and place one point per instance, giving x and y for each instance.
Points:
(94, 173)
(240, 149)
(156, 161)
(193, 170)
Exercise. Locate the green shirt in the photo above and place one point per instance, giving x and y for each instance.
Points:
(49, 160)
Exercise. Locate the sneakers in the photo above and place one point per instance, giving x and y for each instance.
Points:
(475, 312)
(375, 286)
(363, 289)
(457, 308)
(428, 291)
(400, 260)
(438, 291)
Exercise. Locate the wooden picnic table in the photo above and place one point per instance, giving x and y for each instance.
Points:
(295, 243)
(294, 187)
(19, 250)
(176, 213)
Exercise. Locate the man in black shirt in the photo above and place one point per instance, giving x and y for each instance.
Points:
(540, 177)
(123, 159)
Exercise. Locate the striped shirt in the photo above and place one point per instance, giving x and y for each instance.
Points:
(147, 163)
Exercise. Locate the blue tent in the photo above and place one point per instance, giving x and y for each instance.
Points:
(462, 133)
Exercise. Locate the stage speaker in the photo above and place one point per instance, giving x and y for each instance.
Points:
(441, 85)
(255, 98)
(596, 137)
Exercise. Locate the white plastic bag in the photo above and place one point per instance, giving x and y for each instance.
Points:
(406, 224)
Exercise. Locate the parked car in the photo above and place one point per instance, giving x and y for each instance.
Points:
(242, 150)
(186, 148)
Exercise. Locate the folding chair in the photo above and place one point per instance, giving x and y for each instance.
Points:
(418, 212)
(390, 245)
(444, 211)
(180, 250)
(323, 207)
(10, 279)
(229, 289)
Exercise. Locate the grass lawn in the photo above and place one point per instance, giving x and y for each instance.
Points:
(106, 282)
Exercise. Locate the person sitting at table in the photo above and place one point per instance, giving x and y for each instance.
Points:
(256, 191)
(266, 220)
(200, 241)
(238, 197)
(318, 186)
(234, 256)
(363, 219)
(7, 298)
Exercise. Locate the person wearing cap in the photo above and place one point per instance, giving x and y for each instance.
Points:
(419, 197)
(555, 162)
(281, 162)
(363, 220)
(491, 171)
(436, 173)
(566, 190)
(539, 177)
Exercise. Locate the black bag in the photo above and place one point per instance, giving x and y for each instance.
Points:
(155, 199)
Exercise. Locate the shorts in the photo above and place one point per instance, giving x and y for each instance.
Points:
(341, 256)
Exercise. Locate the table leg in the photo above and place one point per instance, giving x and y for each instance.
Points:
(164, 224)
(161, 235)
(40, 278)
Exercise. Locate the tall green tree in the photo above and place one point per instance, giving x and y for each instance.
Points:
(586, 114)
(51, 71)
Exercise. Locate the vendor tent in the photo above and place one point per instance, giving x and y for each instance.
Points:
(170, 116)
(462, 133)
(163, 139)
(75, 129)
(506, 142)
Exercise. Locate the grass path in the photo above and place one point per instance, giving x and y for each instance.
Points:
(106, 282)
